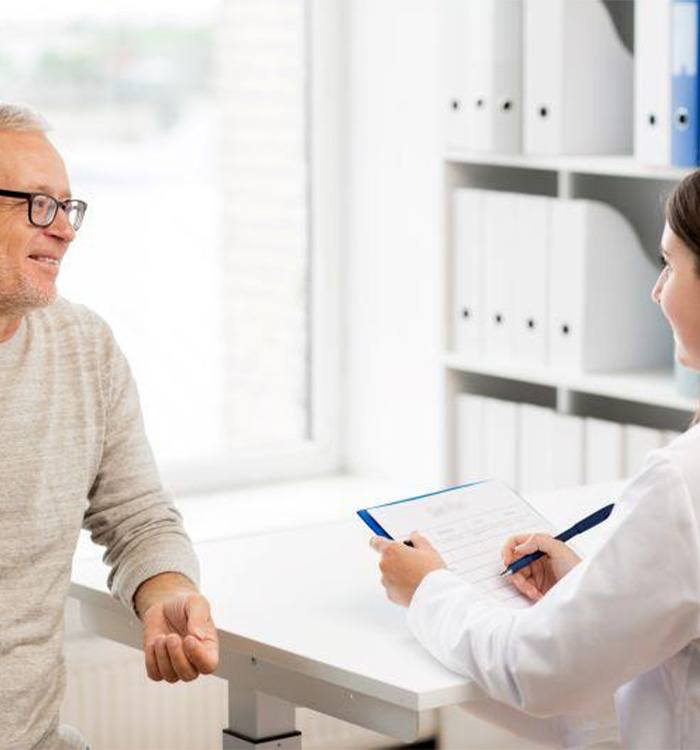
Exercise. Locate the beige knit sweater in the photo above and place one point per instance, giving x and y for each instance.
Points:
(72, 452)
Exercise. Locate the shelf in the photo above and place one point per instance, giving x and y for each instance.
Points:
(654, 387)
(613, 166)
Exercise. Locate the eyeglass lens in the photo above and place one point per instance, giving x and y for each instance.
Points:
(44, 208)
(74, 213)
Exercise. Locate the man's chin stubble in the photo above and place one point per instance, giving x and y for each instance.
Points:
(25, 297)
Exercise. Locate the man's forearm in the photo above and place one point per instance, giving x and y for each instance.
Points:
(161, 587)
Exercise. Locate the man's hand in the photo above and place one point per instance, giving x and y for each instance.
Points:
(403, 567)
(179, 638)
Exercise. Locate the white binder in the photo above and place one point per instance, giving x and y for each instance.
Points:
(601, 313)
(467, 282)
(501, 441)
(531, 274)
(500, 240)
(638, 442)
(469, 427)
(603, 451)
(568, 443)
(551, 449)
(494, 46)
(578, 80)
(652, 81)
(535, 448)
(456, 104)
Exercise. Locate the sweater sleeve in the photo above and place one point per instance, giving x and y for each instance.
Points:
(630, 606)
(129, 511)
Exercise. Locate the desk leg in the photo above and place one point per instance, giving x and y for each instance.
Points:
(259, 722)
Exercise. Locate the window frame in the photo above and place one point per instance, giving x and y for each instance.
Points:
(326, 150)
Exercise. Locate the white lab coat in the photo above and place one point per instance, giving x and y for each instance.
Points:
(625, 620)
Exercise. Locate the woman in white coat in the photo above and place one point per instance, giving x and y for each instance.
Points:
(626, 620)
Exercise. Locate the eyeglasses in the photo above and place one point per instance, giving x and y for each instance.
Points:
(42, 208)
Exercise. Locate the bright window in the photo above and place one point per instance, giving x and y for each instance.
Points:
(185, 127)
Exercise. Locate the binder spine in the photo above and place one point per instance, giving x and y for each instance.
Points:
(456, 118)
(652, 85)
(685, 138)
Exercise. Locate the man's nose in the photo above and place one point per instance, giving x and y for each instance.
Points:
(60, 227)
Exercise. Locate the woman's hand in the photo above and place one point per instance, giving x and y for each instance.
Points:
(403, 567)
(537, 578)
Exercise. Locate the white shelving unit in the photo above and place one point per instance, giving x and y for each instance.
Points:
(645, 397)
(650, 387)
(613, 166)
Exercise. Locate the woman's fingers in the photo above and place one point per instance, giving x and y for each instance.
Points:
(526, 586)
(534, 543)
(519, 545)
(513, 547)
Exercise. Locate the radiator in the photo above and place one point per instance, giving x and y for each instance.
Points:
(114, 705)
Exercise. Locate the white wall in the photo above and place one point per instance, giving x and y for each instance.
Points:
(394, 245)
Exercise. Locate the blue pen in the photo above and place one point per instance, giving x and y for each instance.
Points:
(578, 528)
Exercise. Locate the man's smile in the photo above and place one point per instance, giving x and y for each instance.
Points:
(46, 259)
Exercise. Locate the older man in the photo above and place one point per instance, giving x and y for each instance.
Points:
(72, 452)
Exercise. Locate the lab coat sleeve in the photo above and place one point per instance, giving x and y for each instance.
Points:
(628, 607)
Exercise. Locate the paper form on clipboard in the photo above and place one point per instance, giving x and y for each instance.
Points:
(468, 526)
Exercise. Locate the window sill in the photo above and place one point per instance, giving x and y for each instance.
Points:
(261, 509)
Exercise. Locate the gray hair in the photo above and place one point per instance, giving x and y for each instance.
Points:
(20, 117)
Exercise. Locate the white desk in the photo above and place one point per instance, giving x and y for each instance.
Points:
(303, 621)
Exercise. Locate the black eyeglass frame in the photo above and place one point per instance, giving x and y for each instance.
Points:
(29, 197)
